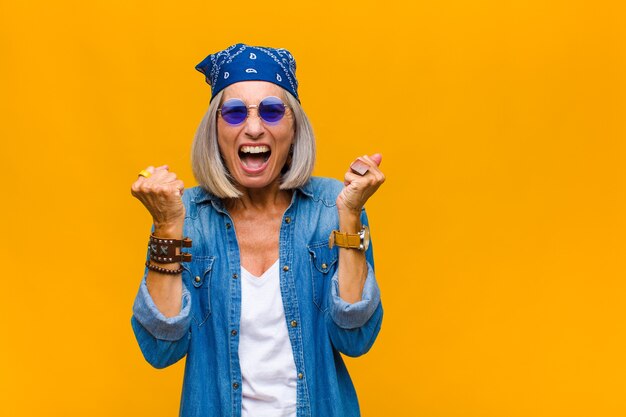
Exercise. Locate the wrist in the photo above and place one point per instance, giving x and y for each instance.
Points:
(168, 230)
(349, 221)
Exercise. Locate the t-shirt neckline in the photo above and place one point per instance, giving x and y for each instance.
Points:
(264, 274)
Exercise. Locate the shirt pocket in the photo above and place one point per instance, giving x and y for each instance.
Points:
(198, 274)
(323, 266)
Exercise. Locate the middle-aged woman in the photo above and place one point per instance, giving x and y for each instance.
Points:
(262, 274)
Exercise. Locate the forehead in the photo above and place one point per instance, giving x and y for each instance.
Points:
(252, 91)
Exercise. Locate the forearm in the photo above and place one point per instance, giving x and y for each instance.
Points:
(352, 270)
(166, 289)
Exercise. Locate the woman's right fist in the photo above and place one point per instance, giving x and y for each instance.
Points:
(161, 194)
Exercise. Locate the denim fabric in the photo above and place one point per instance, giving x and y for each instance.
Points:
(319, 322)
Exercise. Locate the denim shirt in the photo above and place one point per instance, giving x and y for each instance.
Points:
(320, 324)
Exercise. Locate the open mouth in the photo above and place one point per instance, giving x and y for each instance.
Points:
(254, 158)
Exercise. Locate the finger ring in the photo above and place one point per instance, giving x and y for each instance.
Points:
(144, 173)
(359, 167)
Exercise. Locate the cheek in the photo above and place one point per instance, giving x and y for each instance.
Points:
(285, 144)
(225, 138)
(226, 153)
(221, 145)
(287, 131)
(284, 150)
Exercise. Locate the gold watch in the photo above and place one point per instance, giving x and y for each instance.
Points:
(360, 241)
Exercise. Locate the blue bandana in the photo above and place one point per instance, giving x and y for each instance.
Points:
(243, 62)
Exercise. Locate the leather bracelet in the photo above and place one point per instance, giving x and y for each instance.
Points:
(164, 270)
(185, 242)
(163, 250)
(183, 257)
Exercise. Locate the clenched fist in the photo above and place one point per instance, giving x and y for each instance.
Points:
(161, 194)
(359, 188)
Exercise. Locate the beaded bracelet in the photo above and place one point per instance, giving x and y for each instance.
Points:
(164, 270)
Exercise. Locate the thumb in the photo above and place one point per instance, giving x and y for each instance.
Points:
(377, 158)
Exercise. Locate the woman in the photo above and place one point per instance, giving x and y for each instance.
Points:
(265, 304)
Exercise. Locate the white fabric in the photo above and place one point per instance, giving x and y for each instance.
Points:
(267, 366)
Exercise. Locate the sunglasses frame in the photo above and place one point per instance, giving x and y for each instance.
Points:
(250, 106)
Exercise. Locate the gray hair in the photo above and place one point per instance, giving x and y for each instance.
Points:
(208, 166)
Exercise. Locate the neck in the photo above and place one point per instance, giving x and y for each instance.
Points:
(268, 198)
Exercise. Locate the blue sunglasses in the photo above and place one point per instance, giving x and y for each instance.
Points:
(234, 111)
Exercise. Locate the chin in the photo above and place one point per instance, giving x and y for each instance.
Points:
(258, 181)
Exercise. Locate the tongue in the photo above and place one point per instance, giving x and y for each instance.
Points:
(253, 161)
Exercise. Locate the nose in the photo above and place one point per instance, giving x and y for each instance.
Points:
(253, 124)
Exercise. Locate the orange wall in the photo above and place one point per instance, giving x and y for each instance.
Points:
(500, 233)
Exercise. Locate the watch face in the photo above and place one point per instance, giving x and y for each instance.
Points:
(365, 238)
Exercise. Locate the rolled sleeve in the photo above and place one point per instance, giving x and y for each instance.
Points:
(161, 327)
(352, 316)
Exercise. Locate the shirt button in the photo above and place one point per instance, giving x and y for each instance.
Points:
(300, 375)
(294, 323)
(287, 220)
(234, 332)
(285, 268)
(235, 385)
(324, 266)
(197, 279)
(228, 225)
(235, 276)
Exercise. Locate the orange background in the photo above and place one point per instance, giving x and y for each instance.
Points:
(500, 233)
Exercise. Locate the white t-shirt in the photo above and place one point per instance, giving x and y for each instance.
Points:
(267, 366)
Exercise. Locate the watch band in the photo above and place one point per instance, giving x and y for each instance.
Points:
(345, 240)
(359, 241)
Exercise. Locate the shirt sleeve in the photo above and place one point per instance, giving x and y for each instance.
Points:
(354, 327)
(163, 340)
(152, 320)
(351, 316)
(164, 328)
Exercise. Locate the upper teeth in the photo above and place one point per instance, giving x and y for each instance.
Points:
(255, 149)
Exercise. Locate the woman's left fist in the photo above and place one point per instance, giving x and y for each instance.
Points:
(359, 188)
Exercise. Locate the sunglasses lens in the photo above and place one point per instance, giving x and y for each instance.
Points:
(234, 111)
(271, 109)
